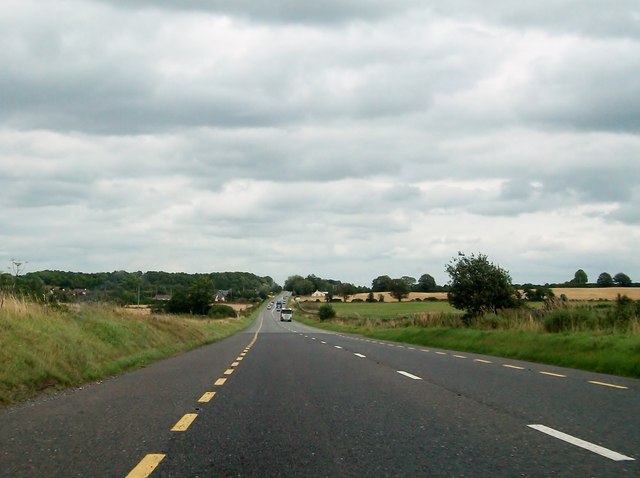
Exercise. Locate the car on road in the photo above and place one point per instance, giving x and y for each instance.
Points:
(285, 315)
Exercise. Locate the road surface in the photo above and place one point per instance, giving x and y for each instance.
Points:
(284, 399)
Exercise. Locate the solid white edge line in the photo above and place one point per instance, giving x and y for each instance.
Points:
(410, 375)
(612, 455)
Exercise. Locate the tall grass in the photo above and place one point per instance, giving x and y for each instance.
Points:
(45, 347)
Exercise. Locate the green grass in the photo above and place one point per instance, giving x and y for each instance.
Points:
(50, 349)
(389, 310)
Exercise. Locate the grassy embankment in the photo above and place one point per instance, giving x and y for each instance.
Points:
(49, 349)
(588, 341)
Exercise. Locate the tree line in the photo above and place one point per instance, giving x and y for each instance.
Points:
(134, 287)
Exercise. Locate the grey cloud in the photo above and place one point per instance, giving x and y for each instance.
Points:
(283, 11)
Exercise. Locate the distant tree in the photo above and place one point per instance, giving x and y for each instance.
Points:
(580, 278)
(622, 280)
(299, 285)
(381, 284)
(411, 281)
(346, 290)
(6, 282)
(604, 280)
(370, 297)
(201, 295)
(399, 289)
(426, 283)
(193, 300)
(478, 286)
(179, 302)
(538, 293)
(380, 297)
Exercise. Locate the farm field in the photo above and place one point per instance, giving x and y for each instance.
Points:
(390, 310)
(572, 293)
(598, 293)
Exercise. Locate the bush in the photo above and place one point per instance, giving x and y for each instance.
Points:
(326, 312)
(221, 311)
(558, 321)
(623, 312)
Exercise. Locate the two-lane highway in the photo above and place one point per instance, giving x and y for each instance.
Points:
(284, 399)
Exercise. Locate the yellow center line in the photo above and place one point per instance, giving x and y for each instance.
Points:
(514, 366)
(146, 466)
(206, 398)
(604, 384)
(239, 359)
(220, 381)
(229, 371)
(235, 364)
(184, 422)
(553, 374)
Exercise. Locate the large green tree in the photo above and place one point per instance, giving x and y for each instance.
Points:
(604, 280)
(622, 279)
(426, 283)
(580, 278)
(196, 299)
(399, 289)
(478, 286)
(381, 284)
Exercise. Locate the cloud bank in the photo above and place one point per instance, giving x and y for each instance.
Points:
(348, 139)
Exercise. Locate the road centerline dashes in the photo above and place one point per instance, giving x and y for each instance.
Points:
(146, 466)
(185, 422)
(206, 397)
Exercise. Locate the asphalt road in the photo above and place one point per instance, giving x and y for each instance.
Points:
(283, 399)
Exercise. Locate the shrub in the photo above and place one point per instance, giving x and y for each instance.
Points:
(221, 311)
(558, 321)
(326, 312)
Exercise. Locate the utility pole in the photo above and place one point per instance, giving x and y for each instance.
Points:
(17, 266)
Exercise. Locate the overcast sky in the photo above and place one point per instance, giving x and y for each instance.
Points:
(346, 138)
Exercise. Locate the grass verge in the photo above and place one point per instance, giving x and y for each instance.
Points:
(605, 353)
(44, 349)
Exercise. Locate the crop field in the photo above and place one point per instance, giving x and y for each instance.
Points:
(572, 293)
(598, 293)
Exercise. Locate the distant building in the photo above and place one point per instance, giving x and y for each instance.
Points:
(222, 296)
(162, 297)
(318, 293)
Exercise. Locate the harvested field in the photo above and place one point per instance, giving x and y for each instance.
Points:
(598, 293)
(572, 293)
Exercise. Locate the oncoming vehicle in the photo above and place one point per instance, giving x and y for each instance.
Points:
(285, 315)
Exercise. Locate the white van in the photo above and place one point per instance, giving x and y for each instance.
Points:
(285, 315)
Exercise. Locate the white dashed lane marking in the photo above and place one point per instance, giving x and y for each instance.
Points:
(410, 375)
(600, 450)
